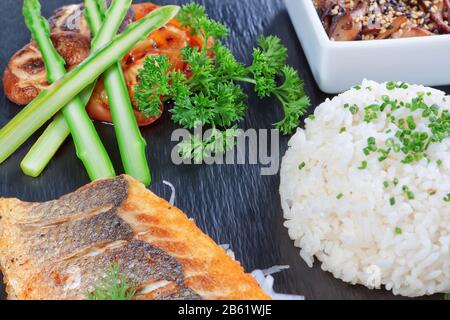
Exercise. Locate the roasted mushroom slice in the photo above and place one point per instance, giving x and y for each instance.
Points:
(411, 32)
(70, 18)
(25, 74)
(438, 18)
(446, 10)
(348, 27)
(439, 13)
(327, 17)
(397, 24)
(344, 28)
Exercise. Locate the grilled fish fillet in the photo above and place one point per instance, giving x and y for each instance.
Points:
(60, 249)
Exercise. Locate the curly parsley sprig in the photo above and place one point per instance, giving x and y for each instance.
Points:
(212, 94)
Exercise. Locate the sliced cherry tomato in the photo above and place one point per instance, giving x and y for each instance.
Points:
(168, 41)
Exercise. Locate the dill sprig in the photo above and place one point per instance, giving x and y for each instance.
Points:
(113, 286)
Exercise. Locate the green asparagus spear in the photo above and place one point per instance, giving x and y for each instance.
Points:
(89, 147)
(131, 143)
(49, 142)
(51, 100)
(57, 132)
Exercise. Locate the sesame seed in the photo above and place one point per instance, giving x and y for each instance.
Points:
(379, 18)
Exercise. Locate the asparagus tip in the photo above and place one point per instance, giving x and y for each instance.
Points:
(30, 171)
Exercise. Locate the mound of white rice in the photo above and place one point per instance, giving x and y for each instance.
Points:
(371, 222)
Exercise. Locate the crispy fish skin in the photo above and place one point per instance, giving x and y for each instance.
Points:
(60, 249)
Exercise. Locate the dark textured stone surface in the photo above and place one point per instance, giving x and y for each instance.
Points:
(233, 204)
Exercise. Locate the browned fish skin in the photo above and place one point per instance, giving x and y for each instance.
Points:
(60, 249)
(104, 193)
(140, 262)
(54, 230)
(48, 243)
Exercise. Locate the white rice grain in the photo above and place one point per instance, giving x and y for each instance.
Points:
(355, 236)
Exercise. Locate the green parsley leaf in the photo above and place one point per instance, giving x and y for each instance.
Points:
(212, 94)
(146, 92)
(194, 16)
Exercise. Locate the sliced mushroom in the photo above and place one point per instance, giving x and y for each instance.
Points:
(397, 24)
(344, 28)
(412, 32)
(439, 20)
(371, 31)
(348, 26)
(439, 15)
(373, 26)
(326, 17)
(446, 10)
(25, 75)
(323, 5)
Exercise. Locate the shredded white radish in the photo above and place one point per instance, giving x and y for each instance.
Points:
(107, 123)
(274, 269)
(265, 279)
(172, 197)
(227, 249)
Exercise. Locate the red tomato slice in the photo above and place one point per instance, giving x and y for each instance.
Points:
(168, 41)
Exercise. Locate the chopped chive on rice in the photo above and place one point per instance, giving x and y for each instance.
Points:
(301, 165)
(392, 201)
(409, 193)
(340, 196)
(398, 231)
(391, 85)
(363, 165)
(354, 109)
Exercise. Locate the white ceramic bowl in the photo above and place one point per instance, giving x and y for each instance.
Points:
(339, 65)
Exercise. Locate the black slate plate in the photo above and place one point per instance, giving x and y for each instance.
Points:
(233, 204)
